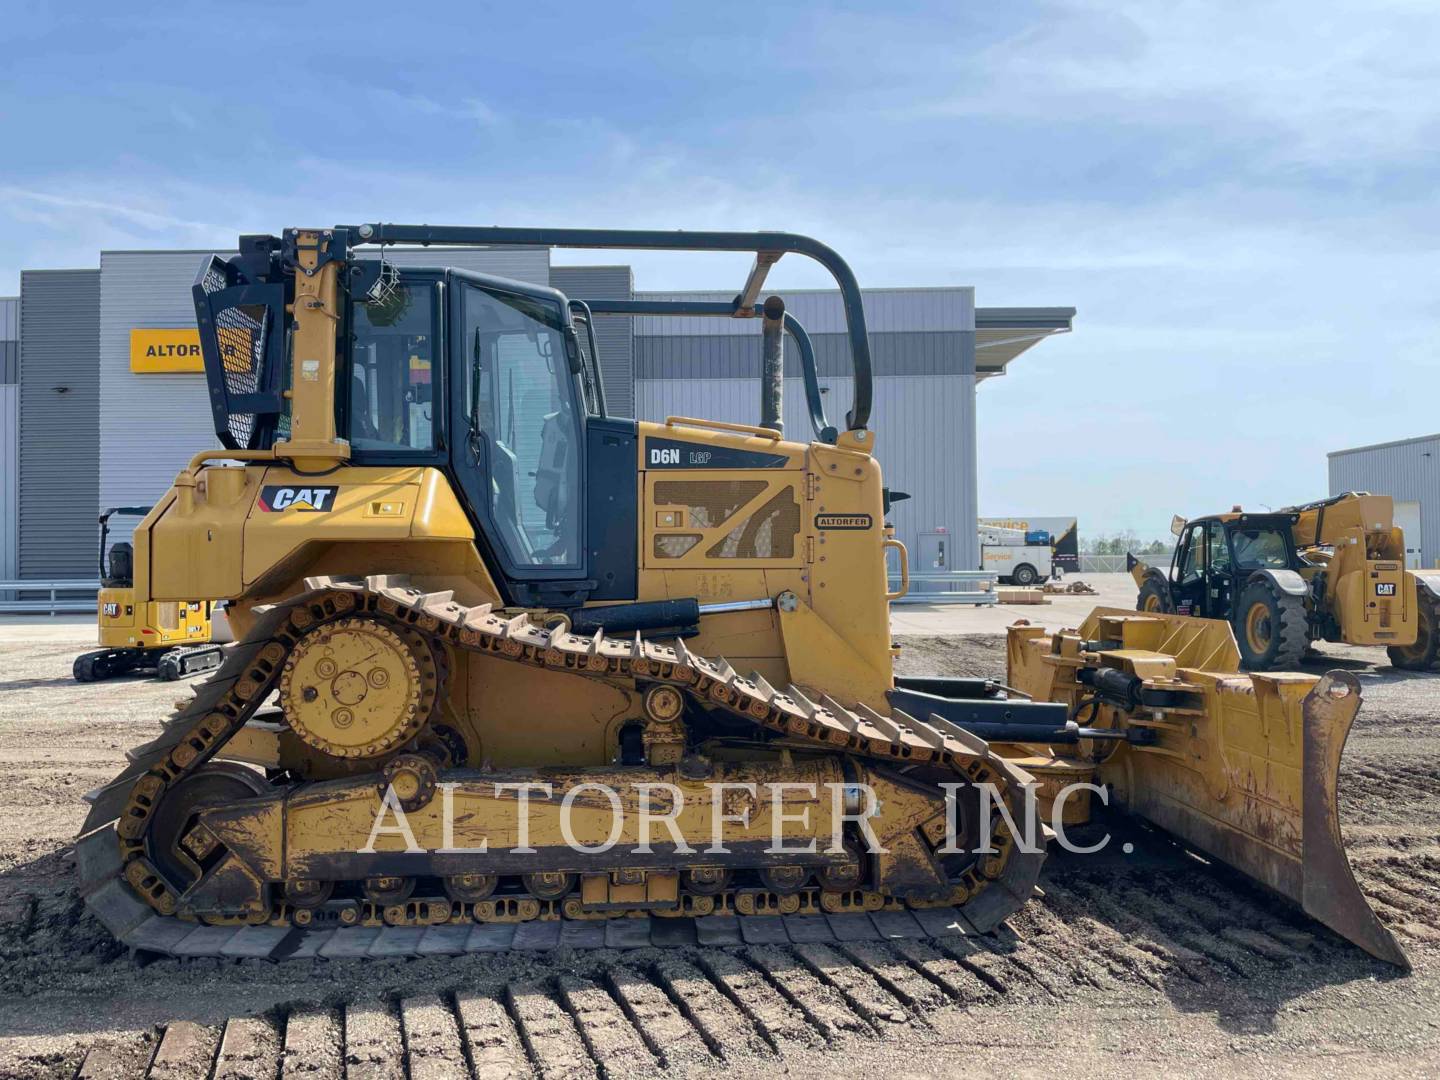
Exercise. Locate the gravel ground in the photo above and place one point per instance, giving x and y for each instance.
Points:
(1144, 964)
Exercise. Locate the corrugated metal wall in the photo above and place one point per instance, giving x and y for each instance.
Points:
(735, 355)
(1408, 471)
(151, 424)
(9, 340)
(613, 334)
(9, 432)
(59, 430)
(9, 480)
(922, 344)
(887, 311)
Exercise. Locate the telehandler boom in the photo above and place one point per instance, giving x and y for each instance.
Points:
(489, 635)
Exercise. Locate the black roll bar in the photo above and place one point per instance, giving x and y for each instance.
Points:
(824, 432)
(767, 246)
(580, 310)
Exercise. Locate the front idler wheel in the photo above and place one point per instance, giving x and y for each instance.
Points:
(178, 812)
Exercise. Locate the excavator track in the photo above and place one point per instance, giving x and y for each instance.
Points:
(135, 902)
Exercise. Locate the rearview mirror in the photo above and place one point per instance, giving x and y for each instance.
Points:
(1177, 525)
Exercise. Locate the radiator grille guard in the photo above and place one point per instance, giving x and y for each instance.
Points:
(242, 339)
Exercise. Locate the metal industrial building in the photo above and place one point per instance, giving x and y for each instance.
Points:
(9, 432)
(1408, 470)
(97, 429)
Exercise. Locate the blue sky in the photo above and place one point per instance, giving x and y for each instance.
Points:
(1240, 199)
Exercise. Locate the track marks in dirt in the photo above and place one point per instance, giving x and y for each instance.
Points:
(643, 1012)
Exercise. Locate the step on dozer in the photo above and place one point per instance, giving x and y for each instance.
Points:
(1241, 766)
(481, 674)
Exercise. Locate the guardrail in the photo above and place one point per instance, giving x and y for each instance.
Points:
(956, 587)
(17, 597)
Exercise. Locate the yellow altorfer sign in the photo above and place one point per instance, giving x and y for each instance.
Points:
(155, 351)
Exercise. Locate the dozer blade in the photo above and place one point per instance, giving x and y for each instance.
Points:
(1272, 811)
(1241, 766)
(1329, 891)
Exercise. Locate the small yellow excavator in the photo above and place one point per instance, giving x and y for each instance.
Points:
(486, 632)
(1332, 570)
(170, 638)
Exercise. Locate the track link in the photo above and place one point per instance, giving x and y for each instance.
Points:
(126, 893)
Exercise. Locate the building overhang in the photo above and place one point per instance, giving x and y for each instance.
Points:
(1002, 334)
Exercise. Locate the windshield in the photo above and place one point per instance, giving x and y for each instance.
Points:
(519, 406)
(1260, 549)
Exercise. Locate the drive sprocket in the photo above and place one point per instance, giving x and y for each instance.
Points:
(358, 687)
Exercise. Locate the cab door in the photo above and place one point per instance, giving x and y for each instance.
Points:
(518, 450)
(1219, 573)
(1188, 573)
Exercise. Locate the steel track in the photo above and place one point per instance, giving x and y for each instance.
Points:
(125, 892)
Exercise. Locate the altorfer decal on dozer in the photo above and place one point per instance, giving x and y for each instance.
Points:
(504, 590)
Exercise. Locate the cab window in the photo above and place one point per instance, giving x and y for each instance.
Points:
(1192, 561)
(391, 392)
(1219, 549)
(1260, 549)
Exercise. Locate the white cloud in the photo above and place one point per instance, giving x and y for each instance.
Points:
(470, 108)
(1347, 81)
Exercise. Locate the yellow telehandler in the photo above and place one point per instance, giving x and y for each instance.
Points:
(1332, 570)
(505, 660)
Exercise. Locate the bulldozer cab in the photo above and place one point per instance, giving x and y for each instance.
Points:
(492, 381)
(481, 376)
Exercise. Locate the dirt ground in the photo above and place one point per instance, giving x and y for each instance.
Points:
(1140, 964)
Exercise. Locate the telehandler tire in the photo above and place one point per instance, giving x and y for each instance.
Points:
(1424, 655)
(1270, 628)
(1155, 596)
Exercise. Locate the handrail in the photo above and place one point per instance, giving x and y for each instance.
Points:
(904, 586)
(768, 246)
(582, 309)
(731, 309)
(723, 425)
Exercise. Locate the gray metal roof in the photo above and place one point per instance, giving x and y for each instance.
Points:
(1003, 333)
(1385, 445)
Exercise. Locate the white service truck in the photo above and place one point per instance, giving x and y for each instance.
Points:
(1015, 556)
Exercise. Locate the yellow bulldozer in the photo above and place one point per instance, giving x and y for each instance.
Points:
(1332, 570)
(504, 660)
